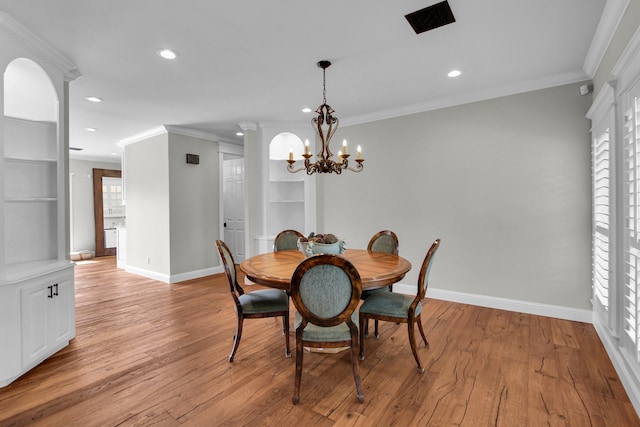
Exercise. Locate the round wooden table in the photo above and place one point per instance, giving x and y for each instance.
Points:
(275, 269)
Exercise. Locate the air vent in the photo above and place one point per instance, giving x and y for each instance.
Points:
(431, 17)
(76, 148)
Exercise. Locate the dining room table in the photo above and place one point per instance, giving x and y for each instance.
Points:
(275, 269)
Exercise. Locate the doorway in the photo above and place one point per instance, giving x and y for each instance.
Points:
(100, 178)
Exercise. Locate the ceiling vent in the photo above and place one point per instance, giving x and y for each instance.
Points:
(431, 17)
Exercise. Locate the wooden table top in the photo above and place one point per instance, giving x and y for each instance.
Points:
(275, 269)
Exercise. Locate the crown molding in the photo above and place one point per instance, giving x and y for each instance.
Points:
(142, 136)
(38, 47)
(245, 126)
(609, 21)
(194, 133)
(466, 98)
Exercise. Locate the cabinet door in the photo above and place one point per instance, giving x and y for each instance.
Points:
(34, 301)
(61, 313)
(47, 315)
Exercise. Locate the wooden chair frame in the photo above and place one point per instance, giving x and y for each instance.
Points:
(412, 318)
(343, 317)
(236, 292)
(396, 251)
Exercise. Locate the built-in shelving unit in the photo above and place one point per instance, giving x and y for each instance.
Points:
(286, 199)
(37, 297)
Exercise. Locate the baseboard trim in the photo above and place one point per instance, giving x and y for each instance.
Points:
(174, 278)
(559, 312)
(625, 372)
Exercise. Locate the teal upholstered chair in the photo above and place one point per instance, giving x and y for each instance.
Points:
(383, 241)
(326, 291)
(285, 240)
(399, 308)
(253, 305)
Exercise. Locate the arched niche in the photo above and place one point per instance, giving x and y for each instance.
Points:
(29, 92)
(282, 144)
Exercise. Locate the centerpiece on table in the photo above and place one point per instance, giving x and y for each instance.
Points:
(321, 244)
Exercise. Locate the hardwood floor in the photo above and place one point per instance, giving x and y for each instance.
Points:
(148, 353)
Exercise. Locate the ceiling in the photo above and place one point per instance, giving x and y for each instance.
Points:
(255, 60)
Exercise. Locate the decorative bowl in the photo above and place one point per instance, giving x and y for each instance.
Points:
(313, 248)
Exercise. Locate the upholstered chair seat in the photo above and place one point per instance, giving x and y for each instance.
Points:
(390, 304)
(264, 301)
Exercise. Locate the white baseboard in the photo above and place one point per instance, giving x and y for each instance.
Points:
(567, 313)
(175, 278)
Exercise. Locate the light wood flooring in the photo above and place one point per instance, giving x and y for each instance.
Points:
(149, 353)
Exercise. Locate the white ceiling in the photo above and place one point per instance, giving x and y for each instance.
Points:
(255, 60)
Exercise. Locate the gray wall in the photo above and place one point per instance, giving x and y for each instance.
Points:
(147, 193)
(504, 182)
(83, 224)
(194, 213)
(173, 217)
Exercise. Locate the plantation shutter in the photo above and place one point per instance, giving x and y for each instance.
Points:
(631, 146)
(601, 214)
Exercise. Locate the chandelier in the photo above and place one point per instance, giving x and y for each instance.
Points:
(325, 125)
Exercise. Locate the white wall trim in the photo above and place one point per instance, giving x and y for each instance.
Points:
(194, 133)
(467, 98)
(609, 21)
(37, 46)
(196, 274)
(148, 274)
(566, 313)
(175, 278)
(159, 130)
(619, 363)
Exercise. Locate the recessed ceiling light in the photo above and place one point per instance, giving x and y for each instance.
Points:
(114, 154)
(306, 110)
(93, 99)
(239, 134)
(168, 53)
(454, 73)
(90, 129)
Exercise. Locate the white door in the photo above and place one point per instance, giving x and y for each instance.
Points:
(233, 184)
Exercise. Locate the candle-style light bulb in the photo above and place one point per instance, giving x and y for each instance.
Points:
(344, 146)
(306, 146)
(291, 153)
(359, 152)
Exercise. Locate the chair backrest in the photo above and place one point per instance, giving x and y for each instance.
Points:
(229, 267)
(384, 241)
(326, 289)
(423, 277)
(287, 239)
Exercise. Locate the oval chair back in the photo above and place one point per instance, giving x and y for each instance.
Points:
(326, 290)
(384, 241)
(285, 240)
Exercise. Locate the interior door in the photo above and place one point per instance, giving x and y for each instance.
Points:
(98, 209)
(234, 225)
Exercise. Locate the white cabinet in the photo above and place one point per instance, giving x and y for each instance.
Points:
(37, 314)
(47, 316)
(110, 237)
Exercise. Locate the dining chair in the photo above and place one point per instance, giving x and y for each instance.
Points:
(383, 241)
(286, 239)
(326, 291)
(253, 305)
(399, 308)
